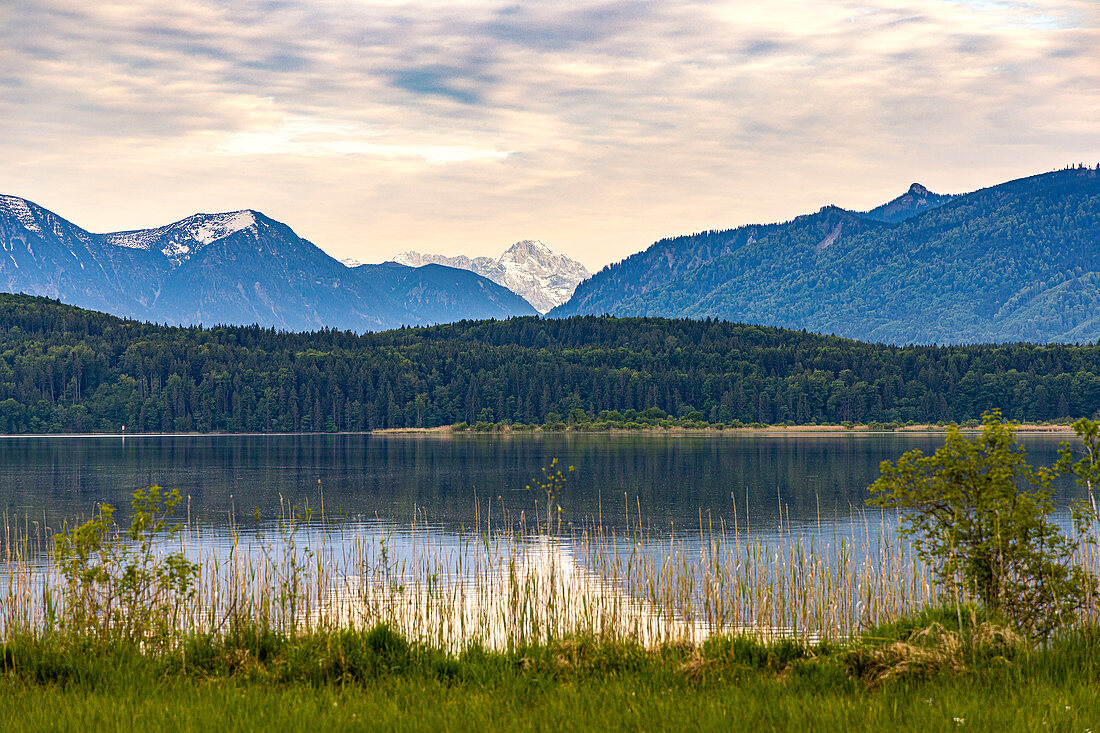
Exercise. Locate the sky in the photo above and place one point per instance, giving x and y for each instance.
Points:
(460, 126)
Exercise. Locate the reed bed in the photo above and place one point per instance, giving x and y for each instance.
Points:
(500, 584)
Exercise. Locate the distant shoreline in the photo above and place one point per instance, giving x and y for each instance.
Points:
(1022, 429)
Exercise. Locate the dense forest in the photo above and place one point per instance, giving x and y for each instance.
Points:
(65, 369)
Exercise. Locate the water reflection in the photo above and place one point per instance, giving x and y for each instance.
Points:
(673, 482)
(660, 536)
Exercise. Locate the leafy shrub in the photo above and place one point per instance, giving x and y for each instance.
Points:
(1086, 469)
(980, 515)
(114, 580)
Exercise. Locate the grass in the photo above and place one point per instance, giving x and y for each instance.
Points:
(511, 626)
(501, 583)
(376, 679)
(518, 704)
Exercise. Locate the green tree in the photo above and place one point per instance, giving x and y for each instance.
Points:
(979, 514)
(1086, 468)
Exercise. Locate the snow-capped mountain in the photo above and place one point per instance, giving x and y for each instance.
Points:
(43, 254)
(179, 241)
(238, 267)
(543, 277)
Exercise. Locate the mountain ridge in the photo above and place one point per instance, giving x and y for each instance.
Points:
(234, 267)
(1010, 262)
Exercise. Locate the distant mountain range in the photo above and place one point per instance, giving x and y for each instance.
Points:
(541, 276)
(1019, 261)
(1015, 262)
(232, 268)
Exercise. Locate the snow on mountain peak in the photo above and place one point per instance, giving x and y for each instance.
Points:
(530, 269)
(207, 228)
(42, 222)
(180, 240)
(528, 245)
(21, 210)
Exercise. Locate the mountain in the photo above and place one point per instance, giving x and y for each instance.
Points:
(664, 262)
(43, 254)
(435, 293)
(916, 200)
(238, 267)
(543, 277)
(1015, 262)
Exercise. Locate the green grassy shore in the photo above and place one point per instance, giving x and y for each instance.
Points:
(107, 628)
(917, 674)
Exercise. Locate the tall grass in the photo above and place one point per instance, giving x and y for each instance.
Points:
(503, 583)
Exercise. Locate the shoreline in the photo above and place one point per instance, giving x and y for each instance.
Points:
(447, 430)
(1021, 429)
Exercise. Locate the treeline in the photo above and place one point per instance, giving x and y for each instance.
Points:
(64, 369)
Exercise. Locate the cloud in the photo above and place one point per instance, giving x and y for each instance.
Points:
(374, 126)
(443, 81)
(311, 137)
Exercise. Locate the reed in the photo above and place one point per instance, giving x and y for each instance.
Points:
(501, 584)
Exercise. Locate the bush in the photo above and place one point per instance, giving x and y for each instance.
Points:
(114, 581)
(980, 515)
(1086, 470)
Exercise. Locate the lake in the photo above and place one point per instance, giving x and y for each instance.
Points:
(818, 482)
(658, 536)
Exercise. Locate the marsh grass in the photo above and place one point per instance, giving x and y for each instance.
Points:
(502, 583)
(304, 623)
(376, 678)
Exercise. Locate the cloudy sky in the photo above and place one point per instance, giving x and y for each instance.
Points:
(376, 126)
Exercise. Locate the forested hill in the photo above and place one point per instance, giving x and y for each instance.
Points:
(1019, 261)
(66, 369)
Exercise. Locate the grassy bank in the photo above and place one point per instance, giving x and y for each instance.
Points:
(895, 677)
(532, 624)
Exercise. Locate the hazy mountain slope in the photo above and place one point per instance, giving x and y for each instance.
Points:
(749, 272)
(541, 276)
(237, 267)
(663, 262)
(264, 273)
(1016, 261)
(672, 258)
(44, 254)
(433, 293)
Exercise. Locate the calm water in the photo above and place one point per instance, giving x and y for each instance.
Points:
(797, 503)
(819, 481)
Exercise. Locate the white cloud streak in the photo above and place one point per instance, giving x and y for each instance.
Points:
(373, 127)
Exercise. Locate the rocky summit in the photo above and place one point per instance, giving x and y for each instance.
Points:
(541, 276)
